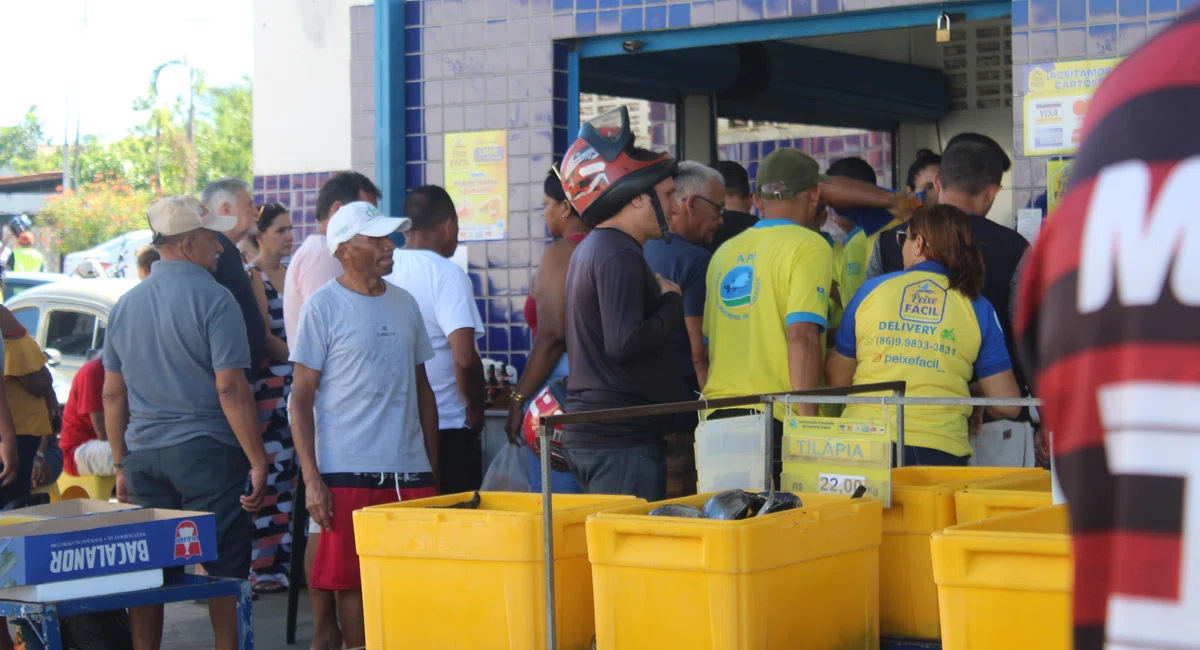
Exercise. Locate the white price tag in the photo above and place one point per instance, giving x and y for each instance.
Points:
(839, 483)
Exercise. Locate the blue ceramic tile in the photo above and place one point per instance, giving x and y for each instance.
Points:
(703, 13)
(412, 13)
(564, 5)
(497, 282)
(272, 184)
(478, 280)
(609, 22)
(412, 67)
(496, 33)
(1130, 38)
(497, 255)
(827, 6)
(414, 174)
(561, 84)
(1184, 5)
(750, 9)
(1102, 40)
(412, 40)
(803, 7)
(259, 183)
(585, 5)
(1043, 13)
(518, 282)
(560, 139)
(1157, 26)
(310, 179)
(610, 4)
(476, 258)
(1072, 43)
(323, 177)
(631, 20)
(518, 361)
(1163, 7)
(562, 52)
(519, 338)
(776, 9)
(1100, 11)
(656, 2)
(414, 147)
(1072, 11)
(285, 182)
(560, 111)
(585, 23)
(1132, 9)
(499, 358)
(1020, 47)
(1020, 14)
(412, 121)
(412, 95)
(656, 18)
(518, 8)
(679, 16)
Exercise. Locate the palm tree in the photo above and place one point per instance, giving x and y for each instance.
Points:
(161, 117)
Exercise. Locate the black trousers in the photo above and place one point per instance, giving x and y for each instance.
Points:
(460, 460)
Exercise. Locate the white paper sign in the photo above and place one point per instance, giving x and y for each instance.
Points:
(1029, 223)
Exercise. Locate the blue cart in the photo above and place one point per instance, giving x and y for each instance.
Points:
(177, 588)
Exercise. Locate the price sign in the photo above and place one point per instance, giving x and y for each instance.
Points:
(837, 456)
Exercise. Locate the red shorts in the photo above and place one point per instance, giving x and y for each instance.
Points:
(336, 567)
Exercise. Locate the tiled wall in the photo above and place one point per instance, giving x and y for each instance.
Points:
(298, 193)
(1067, 30)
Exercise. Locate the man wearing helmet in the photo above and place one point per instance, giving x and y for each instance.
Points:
(620, 315)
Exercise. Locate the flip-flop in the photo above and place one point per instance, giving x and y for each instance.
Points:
(270, 587)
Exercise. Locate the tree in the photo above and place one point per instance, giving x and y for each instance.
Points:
(19, 145)
(100, 210)
(224, 140)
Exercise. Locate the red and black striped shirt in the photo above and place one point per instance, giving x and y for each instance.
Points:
(1109, 322)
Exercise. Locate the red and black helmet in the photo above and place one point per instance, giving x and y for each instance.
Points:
(602, 171)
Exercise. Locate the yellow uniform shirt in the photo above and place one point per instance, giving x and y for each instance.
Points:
(768, 277)
(21, 357)
(854, 264)
(909, 327)
(27, 260)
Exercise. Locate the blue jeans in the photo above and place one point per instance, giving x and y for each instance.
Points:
(560, 482)
(633, 471)
(926, 457)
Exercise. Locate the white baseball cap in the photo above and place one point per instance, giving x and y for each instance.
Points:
(361, 218)
(179, 214)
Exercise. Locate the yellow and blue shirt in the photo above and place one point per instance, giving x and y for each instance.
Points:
(854, 264)
(772, 275)
(908, 326)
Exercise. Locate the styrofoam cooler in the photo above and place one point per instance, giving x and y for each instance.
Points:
(730, 454)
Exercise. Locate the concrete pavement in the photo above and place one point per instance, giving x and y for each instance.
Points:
(187, 627)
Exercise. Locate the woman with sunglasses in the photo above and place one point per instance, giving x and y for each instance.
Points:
(928, 326)
(546, 314)
(270, 557)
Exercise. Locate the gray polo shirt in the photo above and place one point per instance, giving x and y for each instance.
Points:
(169, 336)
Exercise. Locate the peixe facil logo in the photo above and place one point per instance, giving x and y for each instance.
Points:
(187, 541)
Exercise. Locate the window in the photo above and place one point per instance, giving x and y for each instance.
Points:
(99, 343)
(28, 318)
(70, 332)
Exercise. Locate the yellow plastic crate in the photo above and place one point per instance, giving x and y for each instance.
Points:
(922, 503)
(1002, 497)
(475, 579)
(1006, 582)
(800, 578)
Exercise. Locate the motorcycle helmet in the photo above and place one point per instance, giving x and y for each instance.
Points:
(19, 224)
(548, 401)
(603, 171)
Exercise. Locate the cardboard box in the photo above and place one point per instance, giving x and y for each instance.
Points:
(111, 542)
(71, 508)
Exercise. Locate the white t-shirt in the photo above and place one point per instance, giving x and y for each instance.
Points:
(310, 268)
(443, 293)
(367, 349)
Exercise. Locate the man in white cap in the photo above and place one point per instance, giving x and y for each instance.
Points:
(361, 341)
(180, 415)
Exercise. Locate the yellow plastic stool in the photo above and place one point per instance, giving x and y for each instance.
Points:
(86, 487)
(52, 490)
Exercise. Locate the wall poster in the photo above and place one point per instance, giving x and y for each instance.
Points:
(1056, 101)
(476, 177)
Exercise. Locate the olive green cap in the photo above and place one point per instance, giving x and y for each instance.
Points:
(784, 173)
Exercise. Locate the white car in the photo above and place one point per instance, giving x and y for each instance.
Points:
(68, 319)
(118, 255)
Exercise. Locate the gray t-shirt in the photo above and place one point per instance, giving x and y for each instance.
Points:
(169, 336)
(367, 349)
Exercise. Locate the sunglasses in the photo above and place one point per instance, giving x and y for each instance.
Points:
(720, 208)
(902, 236)
(276, 210)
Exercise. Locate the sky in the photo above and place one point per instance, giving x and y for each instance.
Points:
(53, 60)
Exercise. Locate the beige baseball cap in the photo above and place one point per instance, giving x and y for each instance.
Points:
(179, 214)
(361, 218)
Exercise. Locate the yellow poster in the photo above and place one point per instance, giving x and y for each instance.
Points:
(1056, 183)
(836, 456)
(476, 176)
(1056, 101)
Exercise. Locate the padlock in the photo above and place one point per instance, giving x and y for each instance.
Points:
(943, 28)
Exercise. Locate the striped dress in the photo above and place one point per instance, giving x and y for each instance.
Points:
(272, 532)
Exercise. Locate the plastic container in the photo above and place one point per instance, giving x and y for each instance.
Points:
(1006, 582)
(922, 503)
(800, 578)
(729, 455)
(1002, 497)
(475, 579)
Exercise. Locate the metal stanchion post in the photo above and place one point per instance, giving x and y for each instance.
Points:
(548, 537)
(769, 432)
(899, 429)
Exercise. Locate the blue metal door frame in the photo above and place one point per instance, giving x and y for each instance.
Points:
(767, 30)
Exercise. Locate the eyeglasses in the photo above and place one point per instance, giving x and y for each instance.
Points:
(902, 237)
(720, 208)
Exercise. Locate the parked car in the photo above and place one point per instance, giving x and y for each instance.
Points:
(68, 319)
(118, 255)
(17, 282)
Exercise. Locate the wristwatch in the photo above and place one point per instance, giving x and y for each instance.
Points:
(118, 465)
